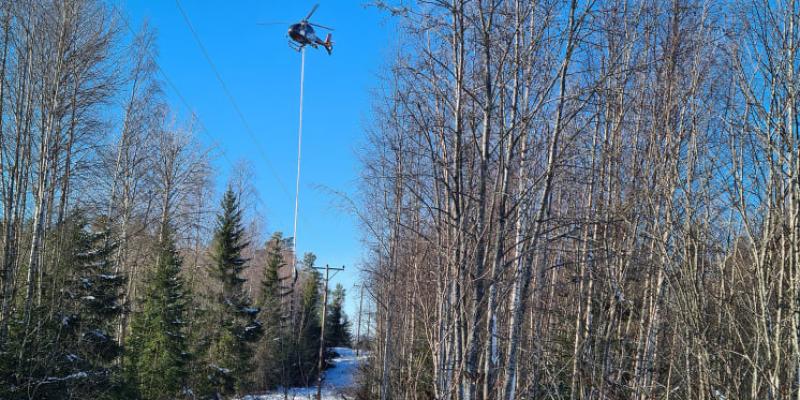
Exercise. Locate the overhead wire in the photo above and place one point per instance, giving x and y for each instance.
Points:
(231, 98)
(239, 113)
(249, 130)
(178, 93)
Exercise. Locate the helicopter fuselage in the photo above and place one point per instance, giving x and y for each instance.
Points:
(303, 34)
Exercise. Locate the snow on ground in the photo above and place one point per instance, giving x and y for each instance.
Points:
(338, 378)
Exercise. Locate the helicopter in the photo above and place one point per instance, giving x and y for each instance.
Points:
(302, 34)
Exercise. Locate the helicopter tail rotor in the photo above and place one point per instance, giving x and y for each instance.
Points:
(328, 44)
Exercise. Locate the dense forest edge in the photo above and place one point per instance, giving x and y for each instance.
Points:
(586, 200)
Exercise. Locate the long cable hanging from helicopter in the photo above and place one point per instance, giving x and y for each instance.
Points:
(299, 154)
(302, 34)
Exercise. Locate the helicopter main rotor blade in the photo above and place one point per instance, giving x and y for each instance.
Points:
(320, 26)
(312, 11)
(273, 23)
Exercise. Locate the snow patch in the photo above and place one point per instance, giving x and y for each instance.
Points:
(250, 310)
(337, 379)
(77, 375)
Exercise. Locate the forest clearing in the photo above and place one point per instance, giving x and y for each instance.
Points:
(339, 381)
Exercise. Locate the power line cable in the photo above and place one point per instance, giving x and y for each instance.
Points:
(231, 98)
(178, 93)
(205, 130)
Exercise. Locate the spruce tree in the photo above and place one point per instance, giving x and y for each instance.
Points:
(307, 348)
(234, 321)
(83, 352)
(337, 326)
(272, 351)
(157, 362)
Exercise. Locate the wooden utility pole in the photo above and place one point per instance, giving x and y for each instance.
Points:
(322, 328)
(358, 323)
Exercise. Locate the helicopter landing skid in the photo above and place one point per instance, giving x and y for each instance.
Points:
(296, 47)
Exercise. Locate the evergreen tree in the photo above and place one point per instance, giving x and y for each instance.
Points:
(272, 354)
(75, 353)
(309, 323)
(157, 362)
(235, 325)
(337, 326)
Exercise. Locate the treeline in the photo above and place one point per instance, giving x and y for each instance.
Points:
(120, 278)
(574, 199)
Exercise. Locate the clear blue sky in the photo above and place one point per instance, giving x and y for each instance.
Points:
(262, 73)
